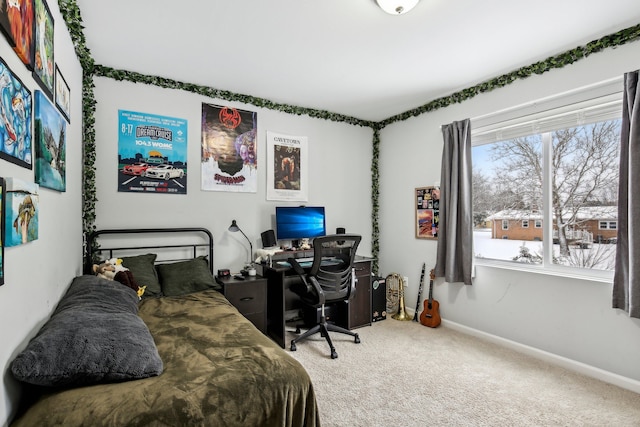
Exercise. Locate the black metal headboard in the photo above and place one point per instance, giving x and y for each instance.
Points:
(197, 240)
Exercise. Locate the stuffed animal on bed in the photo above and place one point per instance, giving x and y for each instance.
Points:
(112, 269)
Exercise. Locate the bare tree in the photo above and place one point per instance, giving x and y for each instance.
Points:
(584, 164)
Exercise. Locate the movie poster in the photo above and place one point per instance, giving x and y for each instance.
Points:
(229, 147)
(288, 170)
(152, 153)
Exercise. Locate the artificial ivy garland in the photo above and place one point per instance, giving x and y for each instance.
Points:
(73, 19)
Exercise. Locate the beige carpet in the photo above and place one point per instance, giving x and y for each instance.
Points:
(405, 374)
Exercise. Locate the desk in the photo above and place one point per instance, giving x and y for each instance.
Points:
(357, 311)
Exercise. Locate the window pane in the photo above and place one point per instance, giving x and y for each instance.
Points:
(584, 183)
(507, 193)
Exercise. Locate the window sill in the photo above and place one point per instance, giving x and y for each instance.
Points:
(599, 276)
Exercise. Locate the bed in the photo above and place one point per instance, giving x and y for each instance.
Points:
(181, 356)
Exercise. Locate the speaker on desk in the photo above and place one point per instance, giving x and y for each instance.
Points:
(340, 230)
(378, 299)
(268, 239)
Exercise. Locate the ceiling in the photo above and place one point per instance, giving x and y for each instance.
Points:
(343, 56)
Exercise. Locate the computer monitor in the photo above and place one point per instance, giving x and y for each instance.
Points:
(300, 222)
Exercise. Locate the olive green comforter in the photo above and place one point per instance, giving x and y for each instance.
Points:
(219, 370)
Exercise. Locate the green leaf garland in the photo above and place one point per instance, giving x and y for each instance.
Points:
(72, 16)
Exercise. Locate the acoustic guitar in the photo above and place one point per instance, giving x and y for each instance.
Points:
(430, 316)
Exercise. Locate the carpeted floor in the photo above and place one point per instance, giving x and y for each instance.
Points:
(409, 375)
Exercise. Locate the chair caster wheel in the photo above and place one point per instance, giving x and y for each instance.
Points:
(357, 339)
(297, 330)
(334, 355)
(293, 346)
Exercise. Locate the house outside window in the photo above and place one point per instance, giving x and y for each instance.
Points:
(559, 169)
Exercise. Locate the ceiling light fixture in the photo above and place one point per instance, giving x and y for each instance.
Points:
(397, 7)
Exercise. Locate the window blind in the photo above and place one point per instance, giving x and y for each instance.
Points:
(591, 105)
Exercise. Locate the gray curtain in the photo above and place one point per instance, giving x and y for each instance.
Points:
(626, 280)
(454, 259)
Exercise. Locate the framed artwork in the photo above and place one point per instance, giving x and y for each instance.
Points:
(63, 95)
(2, 209)
(152, 153)
(43, 65)
(21, 21)
(5, 25)
(15, 128)
(427, 212)
(50, 134)
(229, 149)
(288, 167)
(21, 212)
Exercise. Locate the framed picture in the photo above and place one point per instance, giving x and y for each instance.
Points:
(15, 128)
(2, 213)
(21, 21)
(22, 212)
(63, 95)
(50, 134)
(5, 25)
(43, 65)
(427, 212)
(288, 168)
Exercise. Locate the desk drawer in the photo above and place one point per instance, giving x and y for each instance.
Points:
(247, 297)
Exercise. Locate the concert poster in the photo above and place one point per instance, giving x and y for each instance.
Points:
(229, 149)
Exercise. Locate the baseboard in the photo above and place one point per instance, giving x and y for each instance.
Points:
(582, 368)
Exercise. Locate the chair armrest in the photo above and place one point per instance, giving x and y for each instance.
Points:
(297, 268)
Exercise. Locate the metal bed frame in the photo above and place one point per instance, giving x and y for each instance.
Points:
(201, 241)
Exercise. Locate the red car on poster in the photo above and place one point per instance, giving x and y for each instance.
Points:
(136, 169)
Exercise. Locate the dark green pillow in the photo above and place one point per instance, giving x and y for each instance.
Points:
(144, 272)
(185, 277)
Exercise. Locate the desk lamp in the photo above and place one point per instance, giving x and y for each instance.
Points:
(233, 228)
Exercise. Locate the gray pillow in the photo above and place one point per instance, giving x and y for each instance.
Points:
(144, 272)
(184, 277)
(94, 336)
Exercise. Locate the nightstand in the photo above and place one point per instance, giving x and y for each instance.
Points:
(249, 296)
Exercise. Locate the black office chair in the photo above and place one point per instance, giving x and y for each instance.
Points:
(330, 279)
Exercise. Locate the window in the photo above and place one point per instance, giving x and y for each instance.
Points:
(558, 168)
(608, 225)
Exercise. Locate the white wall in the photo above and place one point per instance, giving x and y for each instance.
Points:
(339, 173)
(37, 273)
(567, 317)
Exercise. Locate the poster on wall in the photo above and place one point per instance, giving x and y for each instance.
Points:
(50, 137)
(228, 149)
(21, 212)
(43, 65)
(15, 126)
(287, 171)
(2, 209)
(152, 153)
(21, 21)
(427, 212)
